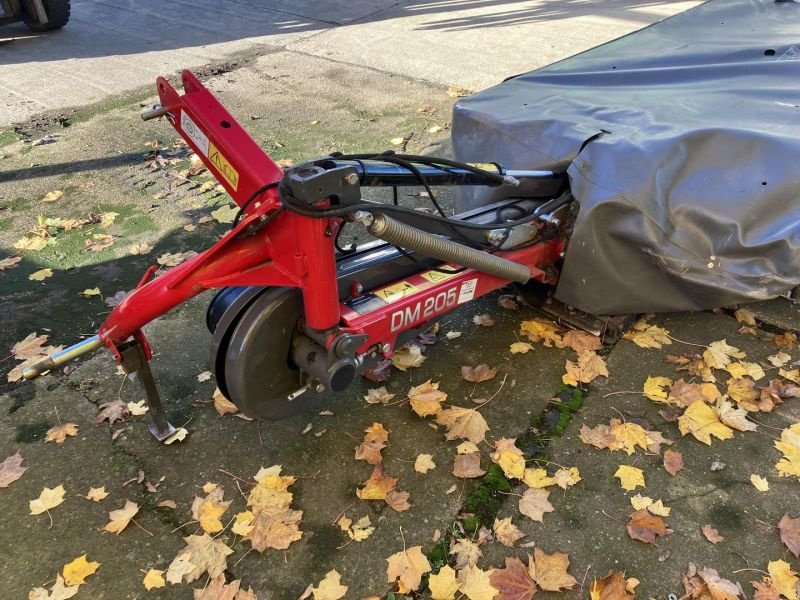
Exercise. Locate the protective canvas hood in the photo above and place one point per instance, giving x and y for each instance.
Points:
(690, 197)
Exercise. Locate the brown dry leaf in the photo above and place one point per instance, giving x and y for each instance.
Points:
(581, 341)
(774, 394)
(119, 519)
(684, 394)
(426, 399)
(466, 552)
(534, 504)
(541, 330)
(76, 572)
(59, 433)
(711, 534)
(277, 530)
(397, 501)
(702, 422)
(112, 412)
(484, 320)
(468, 466)
(11, 469)
(630, 477)
(611, 587)
(786, 340)
(744, 393)
(408, 357)
(790, 533)
(10, 262)
(789, 445)
(455, 91)
(623, 436)
(207, 511)
(507, 301)
(407, 568)
(478, 374)
(673, 462)
(645, 527)
(589, 367)
(645, 335)
(140, 248)
(377, 486)
(475, 584)
(550, 571)
(374, 442)
(49, 498)
(218, 589)
(98, 242)
(509, 457)
(443, 585)
(735, 418)
(463, 423)
(222, 405)
(32, 346)
(202, 554)
(378, 396)
(424, 463)
(506, 532)
(96, 494)
(707, 584)
(514, 582)
(719, 354)
(745, 317)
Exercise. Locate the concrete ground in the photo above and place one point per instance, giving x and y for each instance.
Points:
(299, 79)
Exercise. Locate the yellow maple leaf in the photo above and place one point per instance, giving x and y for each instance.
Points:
(76, 572)
(789, 444)
(742, 369)
(59, 433)
(360, 530)
(639, 502)
(784, 579)
(509, 457)
(443, 585)
(645, 335)
(550, 571)
(377, 486)
(537, 478)
(30, 243)
(154, 579)
(426, 398)
(424, 463)
(540, 330)
(506, 532)
(759, 482)
(242, 523)
(719, 354)
(330, 588)
(534, 504)
(655, 389)
(475, 584)
(520, 348)
(408, 357)
(53, 196)
(630, 477)
(463, 423)
(222, 405)
(96, 494)
(49, 498)
(207, 511)
(119, 519)
(589, 367)
(179, 435)
(702, 422)
(41, 275)
(407, 568)
(90, 292)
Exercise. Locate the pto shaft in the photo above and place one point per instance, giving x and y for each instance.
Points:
(61, 358)
(405, 236)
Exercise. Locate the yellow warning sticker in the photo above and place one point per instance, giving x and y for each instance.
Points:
(437, 276)
(396, 292)
(225, 168)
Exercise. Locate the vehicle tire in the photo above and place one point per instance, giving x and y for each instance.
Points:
(57, 15)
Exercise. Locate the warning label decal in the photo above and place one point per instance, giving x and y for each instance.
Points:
(225, 168)
(396, 292)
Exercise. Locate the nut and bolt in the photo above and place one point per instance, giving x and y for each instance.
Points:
(319, 388)
(351, 179)
(495, 236)
(363, 217)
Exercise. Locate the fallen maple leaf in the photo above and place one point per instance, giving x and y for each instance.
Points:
(655, 389)
(222, 405)
(397, 501)
(30, 243)
(719, 354)
(589, 367)
(377, 486)
(76, 572)
(10, 262)
(550, 570)
(466, 552)
(744, 393)
(11, 469)
(53, 196)
(468, 466)
(96, 494)
(506, 532)
(476, 584)
(112, 412)
(673, 462)
(179, 435)
(426, 399)
(645, 527)
(137, 409)
(408, 357)
(646, 335)
(120, 518)
(623, 436)
(745, 369)
(174, 259)
(478, 374)
(611, 587)
(49, 498)
(784, 579)
(407, 568)
(207, 511)
(785, 340)
(378, 396)
(509, 457)
(534, 504)
(330, 588)
(443, 585)
(541, 330)
(711, 534)
(463, 423)
(359, 531)
(202, 554)
(581, 341)
(630, 477)
(520, 348)
(702, 422)
(99, 241)
(140, 248)
(41, 275)
(59, 591)
(424, 463)
(514, 582)
(684, 393)
(374, 442)
(59, 433)
(735, 418)
(484, 320)
(153, 579)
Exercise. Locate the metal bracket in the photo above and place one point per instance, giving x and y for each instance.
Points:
(134, 361)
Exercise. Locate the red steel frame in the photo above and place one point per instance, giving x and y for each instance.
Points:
(289, 251)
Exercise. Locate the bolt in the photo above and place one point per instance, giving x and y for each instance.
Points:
(385, 348)
(351, 179)
(363, 217)
(319, 388)
(495, 236)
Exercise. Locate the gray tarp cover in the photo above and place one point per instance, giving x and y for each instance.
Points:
(691, 199)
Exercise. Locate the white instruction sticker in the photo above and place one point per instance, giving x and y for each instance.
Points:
(467, 291)
(199, 138)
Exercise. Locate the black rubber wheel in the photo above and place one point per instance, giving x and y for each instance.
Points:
(57, 15)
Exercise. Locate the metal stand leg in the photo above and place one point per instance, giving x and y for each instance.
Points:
(134, 361)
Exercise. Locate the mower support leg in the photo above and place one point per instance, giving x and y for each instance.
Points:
(134, 361)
